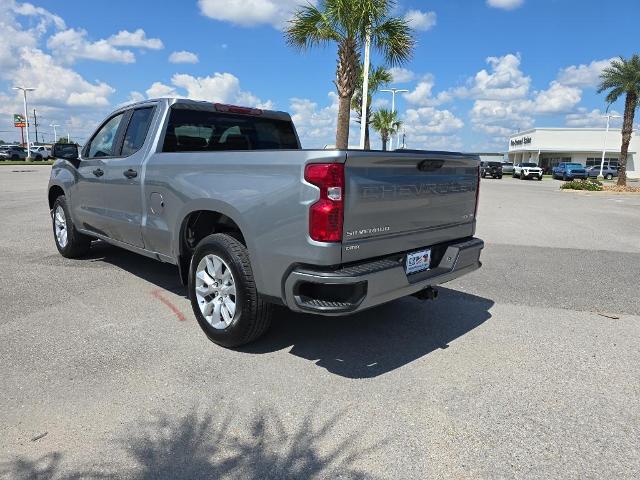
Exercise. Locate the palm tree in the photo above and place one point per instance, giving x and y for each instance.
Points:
(623, 78)
(386, 123)
(347, 22)
(378, 77)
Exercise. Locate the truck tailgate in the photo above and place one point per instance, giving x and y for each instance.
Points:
(396, 202)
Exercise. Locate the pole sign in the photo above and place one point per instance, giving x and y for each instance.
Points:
(19, 121)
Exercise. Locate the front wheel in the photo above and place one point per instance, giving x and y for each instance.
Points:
(608, 176)
(223, 293)
(70, 242)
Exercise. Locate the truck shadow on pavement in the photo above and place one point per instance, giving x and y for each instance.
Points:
(363, 345)
(195, 446)
(376, 341)
(158, 273)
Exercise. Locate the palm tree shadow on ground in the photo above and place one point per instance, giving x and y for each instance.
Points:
(197, 446)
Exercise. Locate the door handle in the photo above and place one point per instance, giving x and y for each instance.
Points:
(98, 172)
(131, 173)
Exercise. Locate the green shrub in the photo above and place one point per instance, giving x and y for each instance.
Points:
(591, 185)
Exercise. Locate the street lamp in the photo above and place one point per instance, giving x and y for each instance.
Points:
(55, 135)
(393, 92)
(604, 147)
(26, 118)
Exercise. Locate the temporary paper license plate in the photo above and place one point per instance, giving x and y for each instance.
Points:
(418, 261)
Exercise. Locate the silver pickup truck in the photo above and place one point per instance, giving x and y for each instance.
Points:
(251, 219)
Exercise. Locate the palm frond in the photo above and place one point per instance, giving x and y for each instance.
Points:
(310, 27)
(394, 39)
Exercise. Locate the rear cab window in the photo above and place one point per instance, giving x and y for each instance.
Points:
(192, 130)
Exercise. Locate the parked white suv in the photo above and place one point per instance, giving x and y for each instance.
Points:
(40, 152)
(527, 170)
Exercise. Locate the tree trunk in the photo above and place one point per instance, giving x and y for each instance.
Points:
(630, 105)
(367, 140)
(385, 139)
(342, 132)
(346, 81)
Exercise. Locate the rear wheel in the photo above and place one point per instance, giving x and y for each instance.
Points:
(223, 293)
(608, 176)
(70, 242)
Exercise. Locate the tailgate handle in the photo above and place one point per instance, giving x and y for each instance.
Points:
(430, 165)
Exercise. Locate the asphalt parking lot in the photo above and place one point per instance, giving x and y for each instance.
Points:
(527, 368)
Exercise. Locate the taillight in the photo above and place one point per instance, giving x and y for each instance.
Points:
(326, 215)
(475, 213)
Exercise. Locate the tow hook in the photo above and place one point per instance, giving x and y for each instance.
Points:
(428, 293)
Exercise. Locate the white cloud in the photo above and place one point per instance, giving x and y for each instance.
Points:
(159, 90)
(134, 97)
(183, 57)
(583, 75)
(316, 125)
(428, 120)
(136, 39)
(29, 10)
(421, 20)
(584, 118)
(61, 94)
(504, 81)
(505, 4)
(558, 98)
(422, 94)
(57, 85)
(248, 13)
(401, 75)
(219, 87)
(71, 44)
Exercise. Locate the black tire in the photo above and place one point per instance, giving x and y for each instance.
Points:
(564, 177)
(499, 177)
(608, 176)
(15, 157)
(522, 177)
(78, 245)
(513, 175)
(540, 178)
(252, 316)
(38, 157)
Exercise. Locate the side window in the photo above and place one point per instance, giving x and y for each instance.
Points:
(137, 131)
(103, 143)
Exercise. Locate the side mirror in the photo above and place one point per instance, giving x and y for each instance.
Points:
(66, 151)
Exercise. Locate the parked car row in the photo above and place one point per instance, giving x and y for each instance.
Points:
(16, 152)
(564, 171)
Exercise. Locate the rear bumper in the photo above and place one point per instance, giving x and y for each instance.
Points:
(365, 285)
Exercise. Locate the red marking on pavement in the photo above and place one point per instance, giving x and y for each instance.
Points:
(158, 294)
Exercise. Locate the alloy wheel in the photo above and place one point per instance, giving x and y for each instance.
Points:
(60, 225)
(215, 290)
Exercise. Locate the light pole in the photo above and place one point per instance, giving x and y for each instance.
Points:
(604, 147)
(365, 89)
(55, 135)
(26, 117)
(393, 101)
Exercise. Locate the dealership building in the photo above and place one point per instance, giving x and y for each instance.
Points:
(547, 147)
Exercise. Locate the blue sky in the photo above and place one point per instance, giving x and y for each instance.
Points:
(482, 68)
